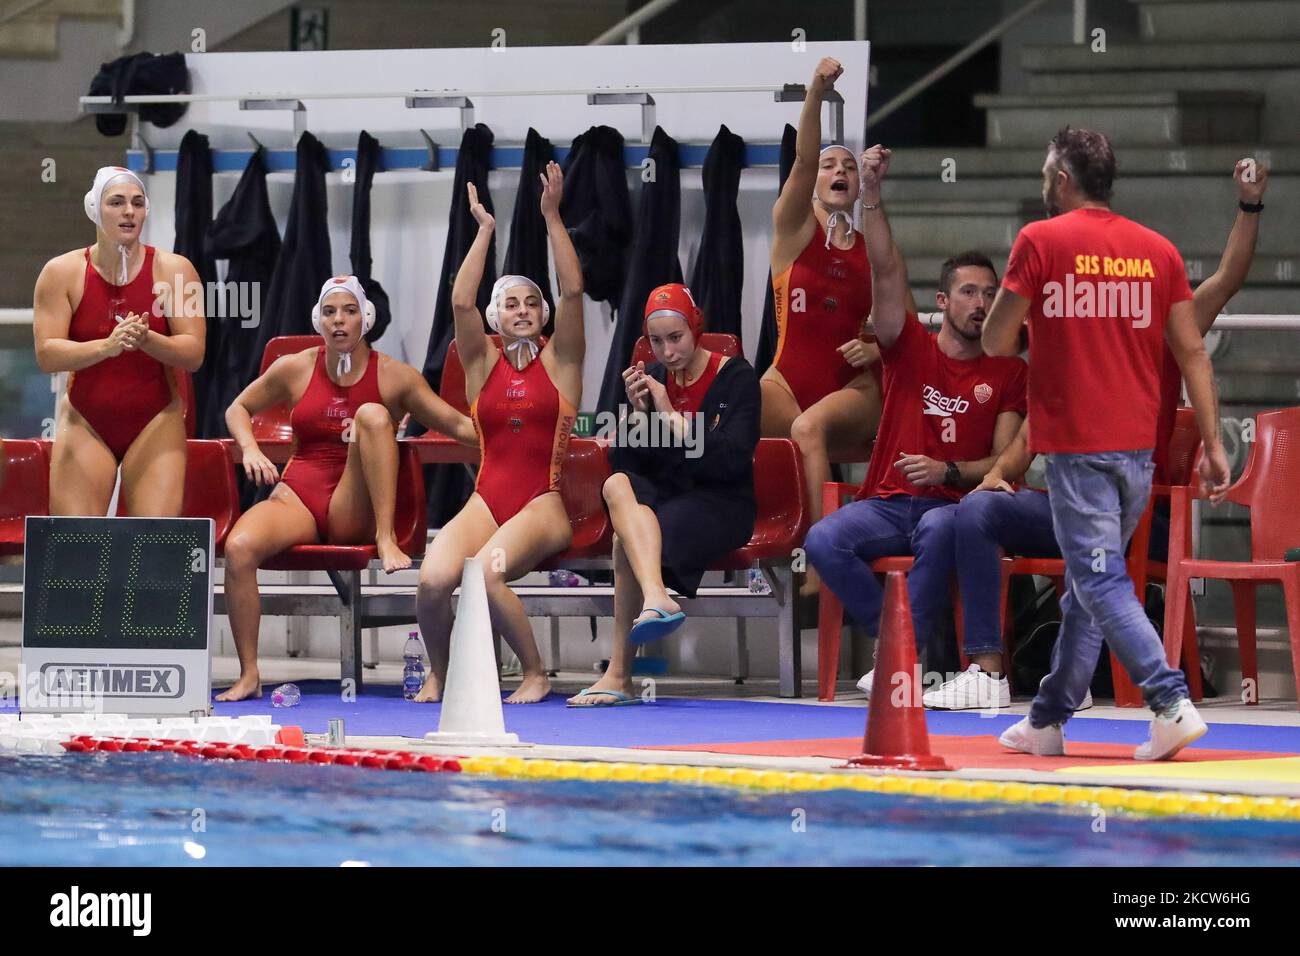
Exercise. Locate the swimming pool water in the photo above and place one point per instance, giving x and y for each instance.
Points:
(151, 809)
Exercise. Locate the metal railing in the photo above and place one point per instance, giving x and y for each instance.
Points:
(954, 61)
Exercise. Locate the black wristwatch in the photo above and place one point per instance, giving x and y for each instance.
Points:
(1250, 207)
(952, 476)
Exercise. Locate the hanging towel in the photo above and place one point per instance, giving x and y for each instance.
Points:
(193, 220)
(449, 486)
(767, 332)
(526, 251)
(368, 160)
(245, 235)
(719, 275)
(653, 261)
(304, 262)
(597, 211)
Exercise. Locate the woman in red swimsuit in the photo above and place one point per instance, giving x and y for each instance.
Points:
(112, 317)
(340, 485)
(523, 399)
(823, 387)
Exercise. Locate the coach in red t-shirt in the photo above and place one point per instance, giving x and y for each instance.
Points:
(949, 410)
(1102, 294)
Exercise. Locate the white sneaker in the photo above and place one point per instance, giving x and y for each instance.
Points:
(1040, 741)
(864, 682)
(972, 689)
(1171, 731)
(1086, 703)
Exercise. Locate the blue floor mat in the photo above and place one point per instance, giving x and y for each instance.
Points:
(381, 711)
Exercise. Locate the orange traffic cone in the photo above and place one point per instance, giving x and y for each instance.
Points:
(896, 735)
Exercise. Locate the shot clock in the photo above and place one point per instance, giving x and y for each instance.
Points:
(116, 615)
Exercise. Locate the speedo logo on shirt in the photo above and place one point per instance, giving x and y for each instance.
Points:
(937, 403)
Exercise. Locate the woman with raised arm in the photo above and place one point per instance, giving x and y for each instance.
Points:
(340, 485)
(677, 509)
(523, 399)
(823, 387)
(121, 319)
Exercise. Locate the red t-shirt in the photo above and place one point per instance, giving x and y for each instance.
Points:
(689, 399)
(937, 406)
(1100, 287)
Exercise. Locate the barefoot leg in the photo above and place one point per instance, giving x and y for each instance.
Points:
(265, 529)
(627, 604)
(538, 531)
(440, 574)
(153, 469)
(363, 503)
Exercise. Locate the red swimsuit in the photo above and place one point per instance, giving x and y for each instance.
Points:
(118, 396)
(523, 424)
(822, 301)
(322, 428)
(689, 399)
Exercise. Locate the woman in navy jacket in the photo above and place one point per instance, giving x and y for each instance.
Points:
(682, 492)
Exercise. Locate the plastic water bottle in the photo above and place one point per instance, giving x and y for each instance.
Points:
(564, 579)
(757, 583)
(413, 673)
(286, 695)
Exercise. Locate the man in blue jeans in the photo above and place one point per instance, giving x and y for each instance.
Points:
(1103, 295)
(1019, 522)
(949, 409)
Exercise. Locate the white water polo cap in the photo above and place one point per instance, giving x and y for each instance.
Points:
(105, 177)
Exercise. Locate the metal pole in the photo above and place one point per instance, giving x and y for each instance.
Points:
(954, 61)
(629, 23)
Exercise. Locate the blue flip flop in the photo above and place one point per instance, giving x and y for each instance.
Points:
(621, 699)
(656, 627)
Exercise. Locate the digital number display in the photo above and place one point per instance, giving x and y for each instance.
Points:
(117, 583)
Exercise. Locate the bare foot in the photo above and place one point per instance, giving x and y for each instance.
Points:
(431, 692)
(533, 689)
(597, 692)
(394, 558)
(248, 685)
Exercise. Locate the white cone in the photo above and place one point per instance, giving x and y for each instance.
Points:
(471, 702)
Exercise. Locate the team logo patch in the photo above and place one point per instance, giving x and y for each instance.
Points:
(983, 393)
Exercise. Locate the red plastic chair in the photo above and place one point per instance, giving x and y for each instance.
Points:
(271, 425)
(210, 488)
(830, 612)
(721, 342)
(24, 489)
(586, 467)
(408, 525)
(1267, 487)
(782, 520)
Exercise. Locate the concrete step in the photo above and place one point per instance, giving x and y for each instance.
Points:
(929, 227)
(1266, 52)
(1194, 159)
(1138, 119)
(81, 132)
(31, 37)
(1165, 21)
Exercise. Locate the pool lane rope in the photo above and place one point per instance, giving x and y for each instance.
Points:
(1142, 802)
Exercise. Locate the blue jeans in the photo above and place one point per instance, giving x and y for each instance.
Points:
(989, 523)
(843, 544)
(1097, 499)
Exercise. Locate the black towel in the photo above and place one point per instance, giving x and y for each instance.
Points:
(653, 261)
(526, 251)
(368, 160)
(767, 333)
(449, 485)
(193, 220)
(719, 275)
(598, 211)
(304, 262)
(245, 234)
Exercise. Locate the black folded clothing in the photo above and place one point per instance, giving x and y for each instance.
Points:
(141, 74)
